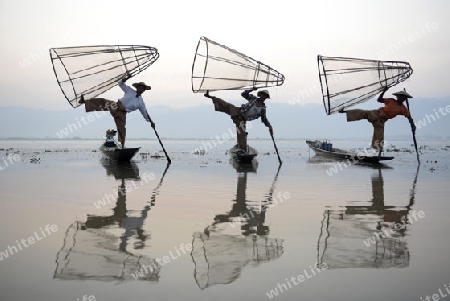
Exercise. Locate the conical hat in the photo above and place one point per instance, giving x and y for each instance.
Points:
(402, 93)
(141, 84)
(265, 92)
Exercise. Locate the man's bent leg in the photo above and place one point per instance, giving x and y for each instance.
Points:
(221, 105)
(356, 114)
(98, 104)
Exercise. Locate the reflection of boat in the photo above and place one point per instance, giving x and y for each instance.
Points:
(366, 236)
(234, 240)
(112, 151)
(251, 166)
(107, 247)
(243, 156)
(326, 149)
(121, 170)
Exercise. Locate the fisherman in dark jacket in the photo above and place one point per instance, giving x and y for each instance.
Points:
(253, 109)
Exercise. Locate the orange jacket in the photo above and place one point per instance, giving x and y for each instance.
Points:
(392, 108)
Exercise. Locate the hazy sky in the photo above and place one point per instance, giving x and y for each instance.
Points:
(286, 35)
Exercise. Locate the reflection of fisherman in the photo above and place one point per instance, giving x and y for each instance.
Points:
(381, 228)
(220, 254)
(94, 254)
(252, 220)
(392, 108)
(131, 101)
(133, 225)
(253, 109)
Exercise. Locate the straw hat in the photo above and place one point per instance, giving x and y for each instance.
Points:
(142, 84)
(402, 93)
(265, 92)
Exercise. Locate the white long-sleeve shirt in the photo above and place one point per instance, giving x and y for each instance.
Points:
(131, 102)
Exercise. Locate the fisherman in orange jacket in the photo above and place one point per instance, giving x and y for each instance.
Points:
(392, 108)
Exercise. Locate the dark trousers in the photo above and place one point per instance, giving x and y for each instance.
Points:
(117, 111)
(222, 106)
(377, 118)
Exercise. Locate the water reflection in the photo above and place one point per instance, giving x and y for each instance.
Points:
(237, 238)
(372, 236)
(99, 247)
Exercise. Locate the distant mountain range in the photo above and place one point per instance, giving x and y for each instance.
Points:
(309, 121)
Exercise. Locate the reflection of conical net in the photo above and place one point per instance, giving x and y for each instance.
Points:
(217, 67)
(349, 81)
(92, 70)
(219, 259)
(93, 254)
(341, 242)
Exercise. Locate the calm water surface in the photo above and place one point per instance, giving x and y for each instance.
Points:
(204, 228)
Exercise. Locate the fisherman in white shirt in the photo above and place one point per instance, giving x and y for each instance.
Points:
(131, 101)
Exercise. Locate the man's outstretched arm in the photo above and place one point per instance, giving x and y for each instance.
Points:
(381, 97)
(246, 94)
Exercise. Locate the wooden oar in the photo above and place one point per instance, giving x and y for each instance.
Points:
(151, 121)
(276, 149)
(413, 130)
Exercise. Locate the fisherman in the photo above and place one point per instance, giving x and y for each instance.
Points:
(131, 101)
(392, 108)
(253, 109)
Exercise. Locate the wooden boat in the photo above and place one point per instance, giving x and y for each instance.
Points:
(326, 149)
(112, 151)
(241, 156)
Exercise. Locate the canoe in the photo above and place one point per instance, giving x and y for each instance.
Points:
(326, 149)
(119, 154)
(112, 151)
